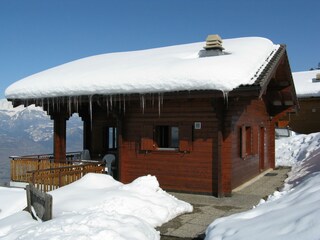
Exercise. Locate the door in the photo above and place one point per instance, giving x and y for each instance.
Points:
(261, 148)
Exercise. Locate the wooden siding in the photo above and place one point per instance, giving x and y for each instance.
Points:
(208, 160)
(189, 168)
(237, 166)
(307, 119)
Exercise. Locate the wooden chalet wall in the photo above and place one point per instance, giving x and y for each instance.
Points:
(307, 119)
(238, 166)
(207, 160)
(192, 168)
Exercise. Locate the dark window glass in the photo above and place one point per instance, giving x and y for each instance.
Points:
(112, 138)
(167, 136)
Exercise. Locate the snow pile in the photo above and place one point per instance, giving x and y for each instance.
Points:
(306, 84)
(98, 207)
(290, 214)
(166, 69)
(12, 200)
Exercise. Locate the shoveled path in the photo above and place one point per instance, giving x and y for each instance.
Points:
(192, 226)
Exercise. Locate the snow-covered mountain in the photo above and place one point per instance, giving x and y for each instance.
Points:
(25, 131)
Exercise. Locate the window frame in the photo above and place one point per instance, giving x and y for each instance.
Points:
(113, 136)
(246, 141)
(163, 137)
(148, 139)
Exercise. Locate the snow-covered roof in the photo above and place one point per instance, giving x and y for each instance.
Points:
(166, 69)
(306, 84)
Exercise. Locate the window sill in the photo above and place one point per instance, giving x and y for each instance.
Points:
(168, 149)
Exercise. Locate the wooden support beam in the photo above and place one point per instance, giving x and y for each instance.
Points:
(59, 137)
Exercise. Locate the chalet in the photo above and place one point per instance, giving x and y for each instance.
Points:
(200, 116)
(308, 91)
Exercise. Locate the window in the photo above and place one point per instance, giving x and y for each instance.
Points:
(282, 132)
(167, 136)
(245, 139)
(112, 138)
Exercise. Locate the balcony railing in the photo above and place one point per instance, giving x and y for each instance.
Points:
(48, 175)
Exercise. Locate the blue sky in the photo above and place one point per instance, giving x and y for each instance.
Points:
(39, 34)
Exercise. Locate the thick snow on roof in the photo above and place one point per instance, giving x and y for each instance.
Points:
(166, 69)
(306, 84)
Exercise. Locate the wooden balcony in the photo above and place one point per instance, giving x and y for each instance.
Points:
(47, 175)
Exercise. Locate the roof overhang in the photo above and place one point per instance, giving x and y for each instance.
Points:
(275, 84)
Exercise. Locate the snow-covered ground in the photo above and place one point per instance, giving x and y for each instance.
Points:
(98, 207)
(95, 207)
(292, 213)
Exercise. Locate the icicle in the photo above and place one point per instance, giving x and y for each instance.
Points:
(159, 104)
(226, 97)
(111, 102)
(79, 101)
(48, 104)
(107, 102)
(53, 105)
(142, 102)
(58, 104)
(73, 103)
(152, 100)
(69, 105)
(90, 107)
(124, 104)
(77, 104)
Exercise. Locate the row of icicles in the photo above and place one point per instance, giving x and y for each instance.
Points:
(110, 102)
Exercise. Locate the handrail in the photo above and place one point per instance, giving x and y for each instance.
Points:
(69, 156)
(52, 178)
(66, 167)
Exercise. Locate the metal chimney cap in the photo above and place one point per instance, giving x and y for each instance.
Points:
(214, 37)
(213, 41)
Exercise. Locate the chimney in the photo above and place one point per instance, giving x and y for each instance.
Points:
(214, 42)
(318, 77)
(213, 47)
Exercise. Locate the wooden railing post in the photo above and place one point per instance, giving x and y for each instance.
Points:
(60, 179)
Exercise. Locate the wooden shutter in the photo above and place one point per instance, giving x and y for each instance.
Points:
(185, 138)
(243, 141)
(147, 143)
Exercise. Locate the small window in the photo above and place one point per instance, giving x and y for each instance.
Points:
(112, 138)
(248, 140)
(167, 136)
(245, 139)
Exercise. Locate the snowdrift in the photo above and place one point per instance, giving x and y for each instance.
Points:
(96, 207)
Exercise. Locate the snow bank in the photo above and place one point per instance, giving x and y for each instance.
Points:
(98, 207)
(96, 225)
(143, 198)
(290, 214)
(305, 84)
(12, 200)
(174, 68)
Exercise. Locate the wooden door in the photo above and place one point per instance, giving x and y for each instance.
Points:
(261, 148)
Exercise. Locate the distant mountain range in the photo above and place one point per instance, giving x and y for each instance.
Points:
(27, 131)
